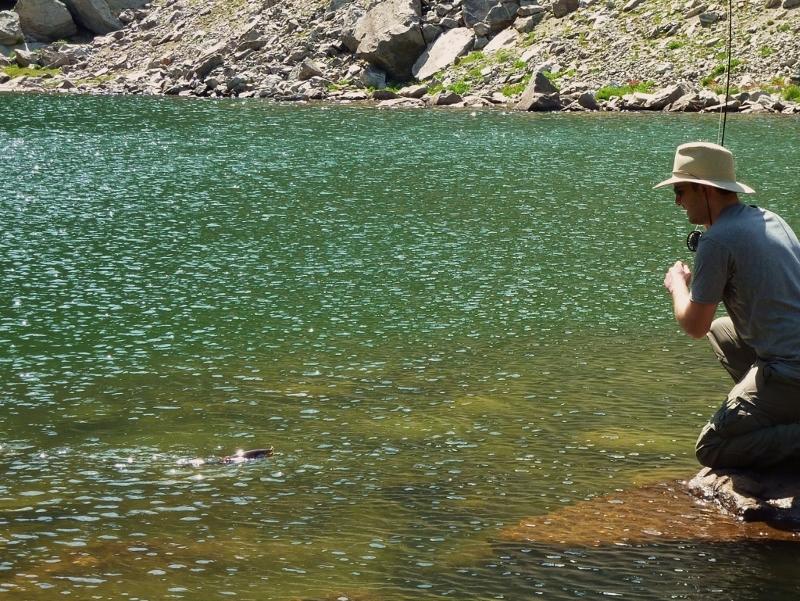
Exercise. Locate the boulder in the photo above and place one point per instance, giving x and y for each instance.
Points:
(539, 102)
(662, 98)
(588, 101)
(445, 99)
(561, 8)
(791, 3)
(413, 91)
(94, 15)
(765, 496)
(305, 70)
(45, 20)
(504, 39)
(373, 78)
(117, 6)
(10, 30)
(496, 14)
(443, 52)
(390, 37)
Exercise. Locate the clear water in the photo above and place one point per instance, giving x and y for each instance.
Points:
(445, 323)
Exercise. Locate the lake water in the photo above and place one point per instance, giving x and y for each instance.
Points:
(446, 323)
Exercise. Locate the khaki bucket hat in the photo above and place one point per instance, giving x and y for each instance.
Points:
(705, 163)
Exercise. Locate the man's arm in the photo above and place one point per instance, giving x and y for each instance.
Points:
(694, 318)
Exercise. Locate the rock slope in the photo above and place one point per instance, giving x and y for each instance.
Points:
(531, 54)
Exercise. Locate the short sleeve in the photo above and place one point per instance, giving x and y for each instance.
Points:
(711, 269)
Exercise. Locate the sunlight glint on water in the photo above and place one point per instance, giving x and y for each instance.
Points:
(443, 323)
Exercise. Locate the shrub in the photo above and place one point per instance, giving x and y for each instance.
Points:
(765, 51)
(607, 92)
(460, 87)
(792, 93)
(719, 70)
(675, 44)
(476, 56)
(513, 89)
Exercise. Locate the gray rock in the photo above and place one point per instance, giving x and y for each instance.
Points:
(373, 78)
(561, 8)
(430, 32)
(481, 29)
(305, 70)
(791, 3)
(662, 98)
(413, 91)
(769, 495)
(710, 17)
(631, 5)
(45, 20)
(443, 52)
(10, 30)
(496, 14)
(24, 58)
(527, 24)
(384, 95)
(390, 37)
(772, 3)
(539, 102)
(588, 101)
(117, 6)
(445, 99)
(94, 15)
(504, 39)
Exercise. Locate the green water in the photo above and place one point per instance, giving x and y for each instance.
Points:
(444, 322)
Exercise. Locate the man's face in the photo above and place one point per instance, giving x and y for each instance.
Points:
(692, 199)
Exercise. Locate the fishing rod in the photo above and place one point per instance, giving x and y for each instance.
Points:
(693, 239)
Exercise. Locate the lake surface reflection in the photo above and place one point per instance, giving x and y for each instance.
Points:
(446, 324)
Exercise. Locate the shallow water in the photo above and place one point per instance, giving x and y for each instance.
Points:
(444, 322)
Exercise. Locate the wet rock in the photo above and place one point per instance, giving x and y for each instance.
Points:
(765, 495)
(10, 30)
(372, 78)
(588, 101)
(45, 20)
(645, 515)
(390, 37)
(443, 52)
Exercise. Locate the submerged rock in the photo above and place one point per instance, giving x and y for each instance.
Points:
(645, 515)
(763, 496)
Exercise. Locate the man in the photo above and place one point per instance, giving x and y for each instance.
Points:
(748, 259)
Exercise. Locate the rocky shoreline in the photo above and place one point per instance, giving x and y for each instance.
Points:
(531, 55)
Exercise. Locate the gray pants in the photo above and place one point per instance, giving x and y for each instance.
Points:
(759, 423)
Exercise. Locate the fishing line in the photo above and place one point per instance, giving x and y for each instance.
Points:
(723, 118)
(693, 239)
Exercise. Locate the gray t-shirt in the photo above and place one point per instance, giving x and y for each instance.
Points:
(749, 259)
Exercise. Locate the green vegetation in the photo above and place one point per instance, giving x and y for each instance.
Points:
(513, 89)
(791, 93)
(675, 44)
(720, 69)
(338, 85)
(476, 56)
(606, 92)
(783, 27)
(765, 51)
(14, 71)
(460, 87)
(435, 88)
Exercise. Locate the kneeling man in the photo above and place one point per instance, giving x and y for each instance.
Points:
(748, 259)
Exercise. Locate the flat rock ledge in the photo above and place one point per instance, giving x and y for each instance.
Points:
(753, 496)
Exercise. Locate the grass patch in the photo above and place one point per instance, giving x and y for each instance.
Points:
(606, 92)
(513, 89)
(766, 51)
(504, 55)
(675, 44)
(476, 56)
(791, 93)
(14, 71)
(720, 69)
(337, 86)
(460, 87)
(435, 88)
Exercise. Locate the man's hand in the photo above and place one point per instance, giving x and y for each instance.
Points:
(678, 278)
(694, 318)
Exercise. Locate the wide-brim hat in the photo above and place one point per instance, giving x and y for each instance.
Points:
(705, 163)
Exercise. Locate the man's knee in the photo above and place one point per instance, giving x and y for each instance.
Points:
(707, 448)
